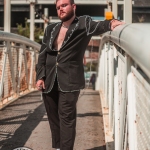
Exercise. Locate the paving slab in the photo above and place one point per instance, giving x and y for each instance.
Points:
(24, 123)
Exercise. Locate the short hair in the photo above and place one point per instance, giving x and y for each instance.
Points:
(71, 1)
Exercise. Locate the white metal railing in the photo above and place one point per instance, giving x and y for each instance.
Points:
(124, 83)
(18, 56)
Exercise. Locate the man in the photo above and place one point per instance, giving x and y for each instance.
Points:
(60, 73)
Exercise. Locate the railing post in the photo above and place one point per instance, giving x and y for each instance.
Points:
(7, 16)
(106, 74)
(100, 85)
(104, 70)
(131, 104)
(116, 99)
(32, 17)
(11, 67)
(32, 68)
(123, 103)
(25, 63)
(20, 69)
(111, 86)
(3, 71)
(126, 134)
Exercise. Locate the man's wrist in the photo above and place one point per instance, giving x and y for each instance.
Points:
(40, 79)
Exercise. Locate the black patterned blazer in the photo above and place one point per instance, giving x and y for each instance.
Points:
(67, 63)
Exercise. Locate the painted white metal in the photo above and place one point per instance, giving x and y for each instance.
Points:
(11, 66)
(122, 101)
(7, 15)
(100, 77)
(128, 11)
(3, 72)
(25, 64)
(111, 86)
(132, 44)
(116, 101)
(20, 69)
(32, 69)
(106, 75)
(141, 86)
(129, 101)
(18, 59)
(126, 135)
(32, 17)
(115, 8)
(131, 111)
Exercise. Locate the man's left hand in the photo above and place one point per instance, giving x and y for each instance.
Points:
(115, 23)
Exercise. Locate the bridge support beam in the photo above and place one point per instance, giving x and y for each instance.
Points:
(32, 17)
(7, 16)
(128, 11)
(115, 8)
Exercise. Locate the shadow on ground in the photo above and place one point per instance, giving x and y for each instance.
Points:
(98, 148)
(93, 114)
(17, 127)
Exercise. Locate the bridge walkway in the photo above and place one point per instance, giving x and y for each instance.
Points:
(24, 123)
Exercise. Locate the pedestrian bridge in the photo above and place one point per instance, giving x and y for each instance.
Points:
(123, 82)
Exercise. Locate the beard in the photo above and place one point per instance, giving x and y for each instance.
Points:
(67, 17)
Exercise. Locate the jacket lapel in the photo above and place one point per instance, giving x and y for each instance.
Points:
(54, 34)
(70, 31)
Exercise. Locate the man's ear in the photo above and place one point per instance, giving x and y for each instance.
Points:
(74, 6)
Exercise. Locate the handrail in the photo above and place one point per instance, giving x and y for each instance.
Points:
(18, 57)
(133, 38)
(18, 39)
(123, 80)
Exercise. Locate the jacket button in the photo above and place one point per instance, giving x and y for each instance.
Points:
(57, 63)
(58, 52)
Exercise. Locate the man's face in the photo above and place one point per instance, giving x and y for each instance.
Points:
(65, 10)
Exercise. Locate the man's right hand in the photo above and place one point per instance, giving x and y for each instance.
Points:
(40, 85)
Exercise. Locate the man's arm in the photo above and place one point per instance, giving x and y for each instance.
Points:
(97, 28)
(40, 66)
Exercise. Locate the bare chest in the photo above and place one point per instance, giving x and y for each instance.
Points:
(60, 38)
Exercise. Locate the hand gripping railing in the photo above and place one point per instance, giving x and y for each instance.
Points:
(18, 56)
(124, 83)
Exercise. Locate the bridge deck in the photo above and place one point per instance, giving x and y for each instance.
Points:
(24, 123)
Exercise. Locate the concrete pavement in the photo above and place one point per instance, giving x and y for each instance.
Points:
(24, 123)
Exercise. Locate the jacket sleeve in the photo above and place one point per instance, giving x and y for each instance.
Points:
(96, 28)
(40, 66)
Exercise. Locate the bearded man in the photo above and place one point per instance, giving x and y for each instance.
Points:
(60, 73)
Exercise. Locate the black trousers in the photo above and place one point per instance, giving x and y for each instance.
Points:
(61, 110)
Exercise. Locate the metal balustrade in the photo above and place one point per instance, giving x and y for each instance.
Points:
(18, 56)
(124, 83)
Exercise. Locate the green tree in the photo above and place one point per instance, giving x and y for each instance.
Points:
(25, 31)
(91, 66)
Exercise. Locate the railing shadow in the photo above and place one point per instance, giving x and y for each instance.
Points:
(98, 148)
(28, 122)
(93, 114)
(23, 103)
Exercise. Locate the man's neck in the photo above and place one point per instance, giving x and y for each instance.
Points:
(67, 23)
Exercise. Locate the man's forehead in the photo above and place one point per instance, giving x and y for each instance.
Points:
(62, 1)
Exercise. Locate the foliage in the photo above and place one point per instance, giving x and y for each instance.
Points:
(91, 66)
(25, 31)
